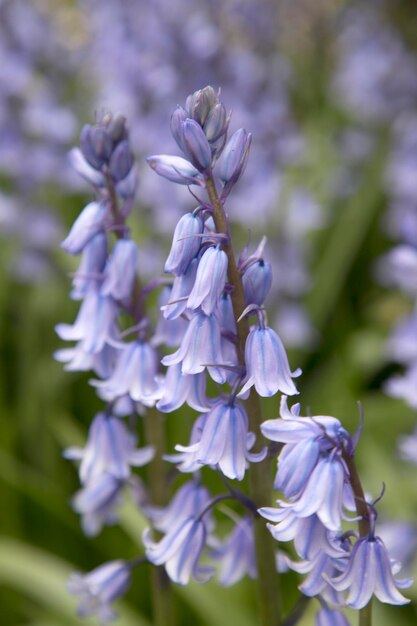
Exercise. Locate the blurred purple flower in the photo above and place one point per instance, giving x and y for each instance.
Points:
(100, 588)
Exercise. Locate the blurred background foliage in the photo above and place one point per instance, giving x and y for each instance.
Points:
(54, 75)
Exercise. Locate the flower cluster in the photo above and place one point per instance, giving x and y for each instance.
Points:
(108, 286)
(141, 73)
(316, 474)
(202, 294)
(204, 321)
(188, 527)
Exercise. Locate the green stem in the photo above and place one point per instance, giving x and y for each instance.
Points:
(260, 477)
(365, 614)
(162, 596)
(297, 612)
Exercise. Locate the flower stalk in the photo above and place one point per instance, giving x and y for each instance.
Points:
(162, 596)
(364, 526)
(260, 479)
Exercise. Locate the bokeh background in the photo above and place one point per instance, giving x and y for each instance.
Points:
(329, 90)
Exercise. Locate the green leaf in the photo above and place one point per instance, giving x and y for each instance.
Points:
(42, 578)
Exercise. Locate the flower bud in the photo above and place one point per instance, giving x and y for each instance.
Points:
(257, 281)
(85, 169)
(216, 124)
(235, 156)
(196, 145)
(217, 146)
(96, 145)
(176, 169)
(116, 128)
(126, 188)
(200, 103)
(121, 161)
(178, 117)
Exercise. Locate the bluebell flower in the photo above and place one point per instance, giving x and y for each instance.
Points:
(78, 360)
(88, 224)
(306, 438)
(110, 449)
(97, 501)
(180, 291)
(92, 264)
(293, 428)
(176, 169)
(311, 470)
(168, 332)
(318, 570)
(134, 374)
(309, 534)
(236, 554)
(210, 280)
(200, 348)
(369, 572)
(124, 406)
(267, 364)
(95, 325)
(225, 440)
(296, 462)
(331, 617)
(100, 588)
(187, 458)
(120, 270)
(400, 539)
(189, 501)
(179, 388)
(184, 245)
(179, 551)
(323, 493)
